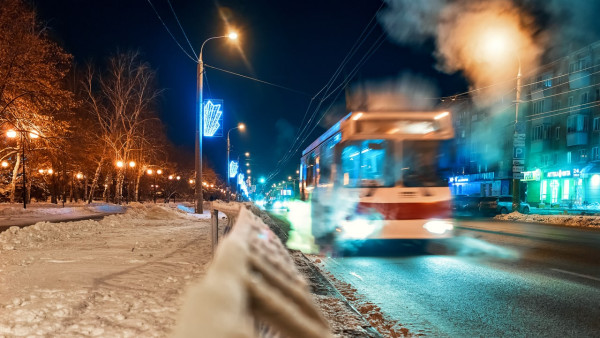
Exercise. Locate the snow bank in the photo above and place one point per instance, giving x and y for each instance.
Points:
(568, 220)
(121, 276)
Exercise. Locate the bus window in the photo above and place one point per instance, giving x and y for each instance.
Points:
(423, 163)
(311, 168)
(326, 161)
(364, 163)
(350, 165)
(372, 163)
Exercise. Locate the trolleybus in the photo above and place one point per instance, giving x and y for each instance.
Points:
(380, 175)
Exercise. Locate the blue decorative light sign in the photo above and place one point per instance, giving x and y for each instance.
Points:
(213, 118)
(233, 168)
(240, 179)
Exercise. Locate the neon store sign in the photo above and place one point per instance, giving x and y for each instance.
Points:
(563, 173)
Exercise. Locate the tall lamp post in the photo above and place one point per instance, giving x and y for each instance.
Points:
(240, 126)
(200, 122)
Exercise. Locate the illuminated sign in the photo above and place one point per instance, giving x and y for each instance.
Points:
(233, 168)
(563, 173)
(213, 117)
(532, 175)
(241, 179)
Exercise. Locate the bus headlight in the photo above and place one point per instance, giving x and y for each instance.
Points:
(358, 228)
(438, 227)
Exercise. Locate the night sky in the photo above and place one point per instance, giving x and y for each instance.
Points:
(294, 44)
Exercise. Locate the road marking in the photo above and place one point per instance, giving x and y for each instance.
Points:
(577, 274)
(356, 275)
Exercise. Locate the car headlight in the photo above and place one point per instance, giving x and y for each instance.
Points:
(358, 228)
(438, 226)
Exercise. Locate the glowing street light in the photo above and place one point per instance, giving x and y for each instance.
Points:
(242, 127)
(497, 42)
(11, 133)
(131, 164)
(4, 164)
(247, 154)
(200, 121)
(120, 164)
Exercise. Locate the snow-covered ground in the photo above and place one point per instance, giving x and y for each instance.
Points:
(568, 220)
(15, 214)
(121, 276)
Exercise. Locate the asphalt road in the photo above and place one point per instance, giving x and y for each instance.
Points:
(494, 279)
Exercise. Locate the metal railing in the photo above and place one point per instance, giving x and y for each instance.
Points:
(252, 288)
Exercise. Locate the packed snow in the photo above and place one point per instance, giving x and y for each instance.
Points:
(119, 276)
(15, 214)
(568, 220)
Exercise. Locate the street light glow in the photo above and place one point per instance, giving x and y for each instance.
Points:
(11, 134)
(79, 176)
(159, 172)
(50, 171)
(149, 171)
(33, 135)
(4, 164)
(242, 126)
(119, 164)
(232, 36)
(131, 164)
(247, 154)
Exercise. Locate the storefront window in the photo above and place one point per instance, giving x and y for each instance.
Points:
(565, 191)
(554, 191)
(543, 191)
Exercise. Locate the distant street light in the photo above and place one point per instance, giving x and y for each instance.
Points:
(200, 121)
(240, 126)
(4, 164)
(247, 154)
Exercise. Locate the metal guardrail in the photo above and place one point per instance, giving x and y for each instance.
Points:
(252, 288)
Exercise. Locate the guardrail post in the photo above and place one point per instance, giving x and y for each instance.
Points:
(214, 229)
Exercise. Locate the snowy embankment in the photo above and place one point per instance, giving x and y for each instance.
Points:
(568, 220)
(119, 276)
(15, 214)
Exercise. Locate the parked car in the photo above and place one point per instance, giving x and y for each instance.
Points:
(465, 205)
(500, 205)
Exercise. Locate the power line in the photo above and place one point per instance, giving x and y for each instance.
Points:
(171, 34)
(257, 80)
(181, 27)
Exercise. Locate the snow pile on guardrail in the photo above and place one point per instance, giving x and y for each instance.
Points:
(568, 220)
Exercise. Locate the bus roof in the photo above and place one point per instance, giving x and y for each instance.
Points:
(376, 115)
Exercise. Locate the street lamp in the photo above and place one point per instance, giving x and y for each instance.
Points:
(200, 121)
(242, 127)
(495, 42)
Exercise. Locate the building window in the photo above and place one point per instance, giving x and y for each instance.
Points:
(596, 124)
(556, 105)
(577, 124)
(568, 157)
(557, 132)
(547, 78)
(538, 107)
(582, 155)
(585, 98)
(545, 159)
(595, 155)
(597, 94)
(570, 102)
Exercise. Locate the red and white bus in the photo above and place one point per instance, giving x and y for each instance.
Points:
(380, 175)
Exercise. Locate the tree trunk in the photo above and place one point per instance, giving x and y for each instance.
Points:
(107, 181)
(13, 182)
(119, 188)
(85, 188)
(137, 185)
(94, 183)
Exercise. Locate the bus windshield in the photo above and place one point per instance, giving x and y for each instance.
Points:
(364, 163)
(424, 163)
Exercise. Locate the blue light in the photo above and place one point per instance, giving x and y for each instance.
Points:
(212, 118)
(233, 168)
(241, 179)
(261, 180)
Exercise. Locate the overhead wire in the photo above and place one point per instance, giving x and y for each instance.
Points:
(171, 34)
(181, 27)
(353, 50)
